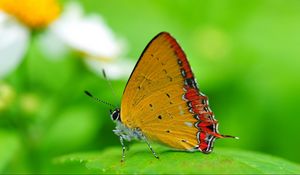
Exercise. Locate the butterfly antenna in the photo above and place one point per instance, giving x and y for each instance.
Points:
(109, 83)
(228, 136)
(99, 100)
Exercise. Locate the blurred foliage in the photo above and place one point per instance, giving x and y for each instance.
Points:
(245, 55)
(221, 161)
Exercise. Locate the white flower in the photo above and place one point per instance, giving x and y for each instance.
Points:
(92, 37)
(72, 30)
(14, 39)
(88, 34)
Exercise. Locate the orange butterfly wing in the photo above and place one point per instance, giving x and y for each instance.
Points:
(162, 99)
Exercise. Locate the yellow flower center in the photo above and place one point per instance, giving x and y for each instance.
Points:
(33, 13)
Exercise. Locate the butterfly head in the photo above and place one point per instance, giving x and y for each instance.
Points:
(115, 114)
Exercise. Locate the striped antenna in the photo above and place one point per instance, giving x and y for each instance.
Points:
(99, 100)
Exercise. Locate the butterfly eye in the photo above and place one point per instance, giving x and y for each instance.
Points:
(115, 115)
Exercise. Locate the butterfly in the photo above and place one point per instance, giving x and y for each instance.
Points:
(162, 102)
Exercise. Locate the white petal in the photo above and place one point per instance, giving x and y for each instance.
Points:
(87, 34)
(72, 10)
(118, 69)
(52, 46)
(13, 43)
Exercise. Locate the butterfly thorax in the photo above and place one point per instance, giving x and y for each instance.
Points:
(124, 131)
(127, 133)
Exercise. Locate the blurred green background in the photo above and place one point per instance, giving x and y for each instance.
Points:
(244, 54)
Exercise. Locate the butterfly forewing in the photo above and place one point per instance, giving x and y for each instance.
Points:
(159, 97)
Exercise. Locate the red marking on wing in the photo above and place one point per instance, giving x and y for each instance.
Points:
(181, 55)
(192, 94)
(203, 145)
(197, 102)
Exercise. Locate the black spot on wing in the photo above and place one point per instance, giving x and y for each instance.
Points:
(168, 95)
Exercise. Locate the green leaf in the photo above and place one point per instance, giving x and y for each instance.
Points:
(139, 160)
(9, 145)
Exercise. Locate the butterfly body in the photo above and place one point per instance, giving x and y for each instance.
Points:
(126, 133)
(162, 101)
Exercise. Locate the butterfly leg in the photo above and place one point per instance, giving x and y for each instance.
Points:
(123, 148)
(150, 147)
